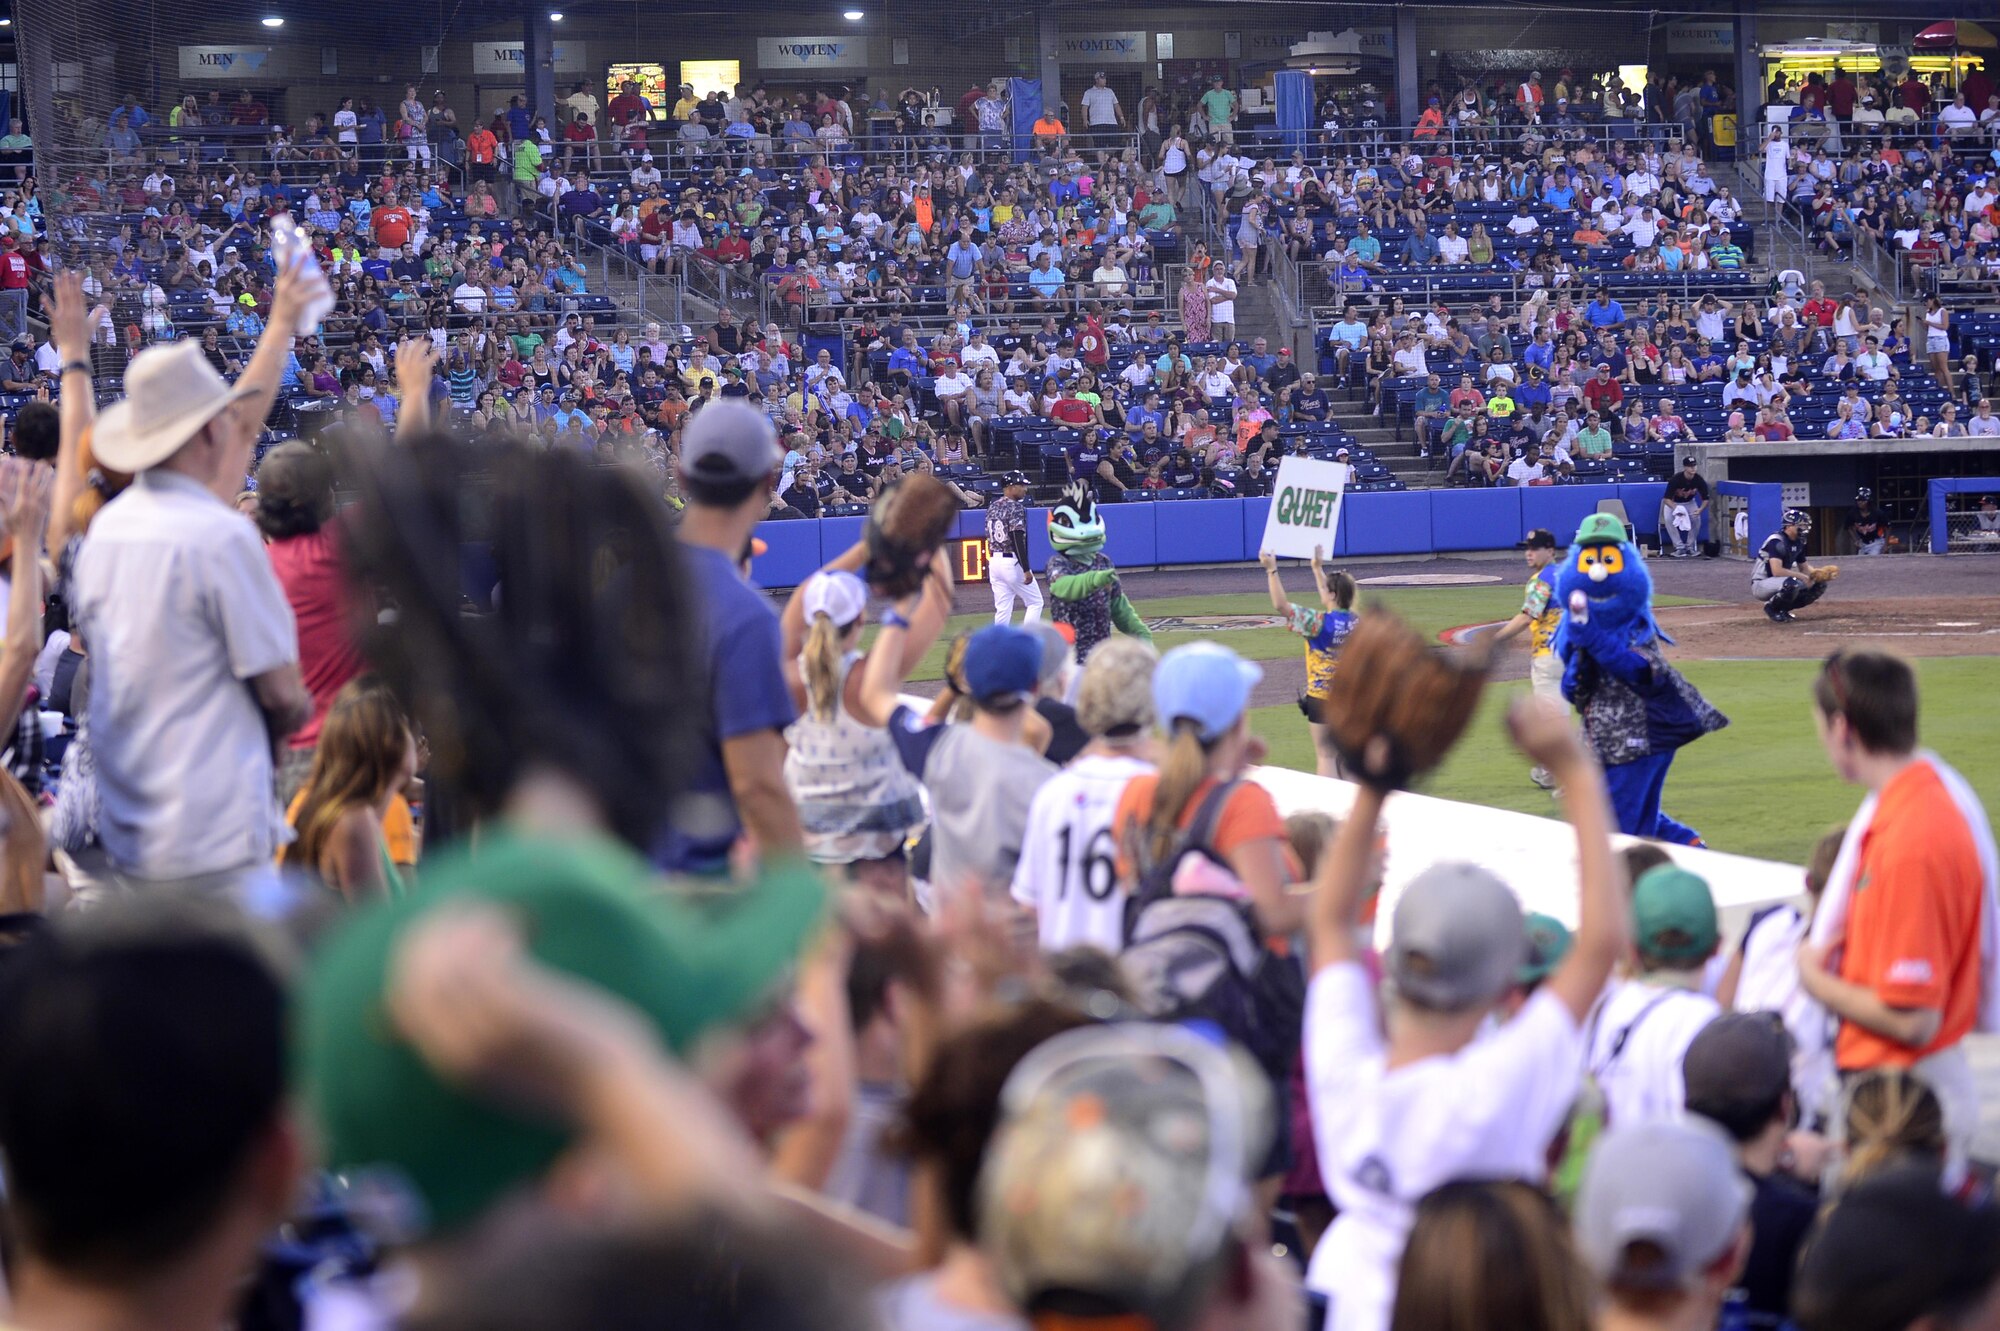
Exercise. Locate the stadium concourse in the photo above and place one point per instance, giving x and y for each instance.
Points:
(529, 806)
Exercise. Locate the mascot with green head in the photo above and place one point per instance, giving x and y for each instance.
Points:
(1637, 710)
(1082, 580)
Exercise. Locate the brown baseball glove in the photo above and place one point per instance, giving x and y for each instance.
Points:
(905, 528)
(1825, 573)
(1398, 703)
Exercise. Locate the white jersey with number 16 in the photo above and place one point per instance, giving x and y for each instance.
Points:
(1068, 870)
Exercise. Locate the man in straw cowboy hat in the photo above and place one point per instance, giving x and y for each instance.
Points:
(196, 655)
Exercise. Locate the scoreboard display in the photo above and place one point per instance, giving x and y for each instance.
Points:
(970, 555)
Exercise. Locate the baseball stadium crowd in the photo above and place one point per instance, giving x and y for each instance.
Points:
(443, 891)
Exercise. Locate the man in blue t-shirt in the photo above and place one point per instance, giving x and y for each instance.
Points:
(1604, 312)
(730, 460)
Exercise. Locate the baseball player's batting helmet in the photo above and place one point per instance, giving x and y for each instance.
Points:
(1864, 493)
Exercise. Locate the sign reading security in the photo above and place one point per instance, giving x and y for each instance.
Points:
(812, 52)
(1105, 48)
(1305, 507)
(227, 62)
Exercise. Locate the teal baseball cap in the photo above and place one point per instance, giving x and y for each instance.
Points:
(1600, 529)
(1673, 916)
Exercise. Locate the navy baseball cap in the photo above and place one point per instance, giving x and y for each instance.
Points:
(1001, 660)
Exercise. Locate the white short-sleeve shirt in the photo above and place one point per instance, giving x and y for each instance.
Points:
(1638, 1036)
(1068, 870)
(1386, 1138)
(179, 603)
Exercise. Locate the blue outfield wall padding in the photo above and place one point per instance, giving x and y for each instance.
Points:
(1228, 531)
(1256, 512)
(1131, 533)
(1203, 531)
(1387, 524)
(1562, 508)
(1476, 519)
(1038, 538)
(1642, 504)
(1942, 487)
(837, 535)
(794, 553)
(1767, 506)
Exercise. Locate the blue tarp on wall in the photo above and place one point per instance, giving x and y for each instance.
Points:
(1024, 96)
(1294, 89)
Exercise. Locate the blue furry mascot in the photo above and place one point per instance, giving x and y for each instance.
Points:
(1082, 580)
(1637, 710)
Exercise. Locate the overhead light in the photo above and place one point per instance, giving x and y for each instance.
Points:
(272, 21)
(555, 16)
(6, 23)
(853, 15)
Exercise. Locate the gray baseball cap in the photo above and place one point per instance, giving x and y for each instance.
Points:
(729, 441)
(1660, 1202)
(1457, 939)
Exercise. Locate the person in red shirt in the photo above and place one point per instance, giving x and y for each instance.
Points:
(731, 248)
(1914, 93)
(1772, 425)
(1091, 346)
(482, 149)
(627, 106)
(391, 224)
(296, 514)
(1820, 309)
(579, 140)
(1897, 949)
(13, 268)
(1601, 393)
(1840, 95)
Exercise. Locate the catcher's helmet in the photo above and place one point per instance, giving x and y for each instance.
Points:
(1798, 517)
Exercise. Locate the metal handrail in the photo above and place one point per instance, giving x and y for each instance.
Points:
(1438, 285)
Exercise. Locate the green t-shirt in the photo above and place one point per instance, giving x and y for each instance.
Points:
(1156, 216)
(1594, 443)
(1216, 104)
(527, 161)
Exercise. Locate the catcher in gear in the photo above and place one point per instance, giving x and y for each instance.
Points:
(1781, 578)
(1083, 584)
(1637, 710)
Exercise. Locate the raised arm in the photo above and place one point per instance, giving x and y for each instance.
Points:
(71, 321)
(1544, 732)
(267, 364)
(1333, 920)
(1273, 583)
(416, 366)
(926, 622)
(27, 515)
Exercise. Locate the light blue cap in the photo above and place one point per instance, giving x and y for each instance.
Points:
(1206, 683)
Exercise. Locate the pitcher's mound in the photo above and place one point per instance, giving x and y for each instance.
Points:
(1431, 580)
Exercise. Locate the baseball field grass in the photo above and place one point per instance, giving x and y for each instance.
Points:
(1760, 787)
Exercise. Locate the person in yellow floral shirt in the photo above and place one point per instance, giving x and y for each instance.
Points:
(1324, 630)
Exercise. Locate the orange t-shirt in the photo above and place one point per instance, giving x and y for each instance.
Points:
(1249, 814)
(1913, 920)
(399, 828)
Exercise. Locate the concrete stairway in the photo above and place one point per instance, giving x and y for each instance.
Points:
(1379, 437)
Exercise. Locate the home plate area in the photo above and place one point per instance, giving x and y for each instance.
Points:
(1911, 625)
